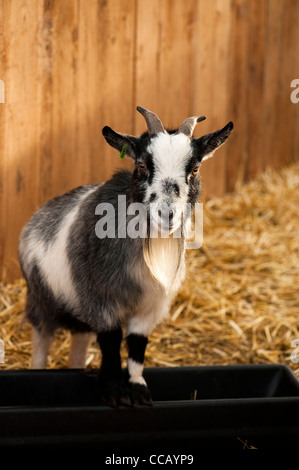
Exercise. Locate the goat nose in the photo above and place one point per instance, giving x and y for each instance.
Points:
(166, 214)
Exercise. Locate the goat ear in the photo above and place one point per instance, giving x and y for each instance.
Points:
(206, 146)
(122, 142)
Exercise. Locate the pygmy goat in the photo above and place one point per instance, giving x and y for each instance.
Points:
(95, 284)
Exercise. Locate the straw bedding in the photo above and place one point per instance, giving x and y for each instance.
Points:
(239, 302)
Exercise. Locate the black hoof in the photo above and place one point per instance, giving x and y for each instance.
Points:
(114, 391)
(140, 395)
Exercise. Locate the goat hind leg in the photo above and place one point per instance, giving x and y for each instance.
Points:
(41, 340)
(79, 345)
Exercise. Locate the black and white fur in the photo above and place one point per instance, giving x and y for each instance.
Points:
(100, 286)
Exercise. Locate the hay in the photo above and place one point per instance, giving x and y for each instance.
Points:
(239, 303)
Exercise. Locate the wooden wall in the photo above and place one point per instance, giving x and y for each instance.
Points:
(72, 66)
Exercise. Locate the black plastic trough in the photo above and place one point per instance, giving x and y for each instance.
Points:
(235, 406)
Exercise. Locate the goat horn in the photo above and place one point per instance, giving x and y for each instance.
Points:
(154, 124)
(187, 127)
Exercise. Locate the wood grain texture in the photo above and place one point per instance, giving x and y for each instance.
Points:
(20, 115)
(147, 61)
(237, 94)
(70, 67)
(2, 133)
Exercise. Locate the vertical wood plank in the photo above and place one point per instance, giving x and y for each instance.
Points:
(284, 124)
(295, 74)
(45, 100)
(237, 95)
(58, 112)
(164, 78)
(256, 55)
(106, 77)
(267, 148)
(2, 134)
(176, 78)
(211, 53)
(147, 61)
(19, 158)
(216, 167)
(89, 89)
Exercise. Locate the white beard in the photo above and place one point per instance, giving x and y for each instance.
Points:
(165, 259)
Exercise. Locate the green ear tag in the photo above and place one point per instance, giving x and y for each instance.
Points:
(123, 151)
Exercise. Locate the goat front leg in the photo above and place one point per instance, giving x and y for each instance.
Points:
(140, 394)
(113, 386)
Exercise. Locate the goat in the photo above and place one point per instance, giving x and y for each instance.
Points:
(91, 285)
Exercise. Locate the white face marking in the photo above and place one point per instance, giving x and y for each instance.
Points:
(171, 153)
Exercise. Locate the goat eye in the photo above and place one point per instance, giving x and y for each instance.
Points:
(195, 171)
(141, 166)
